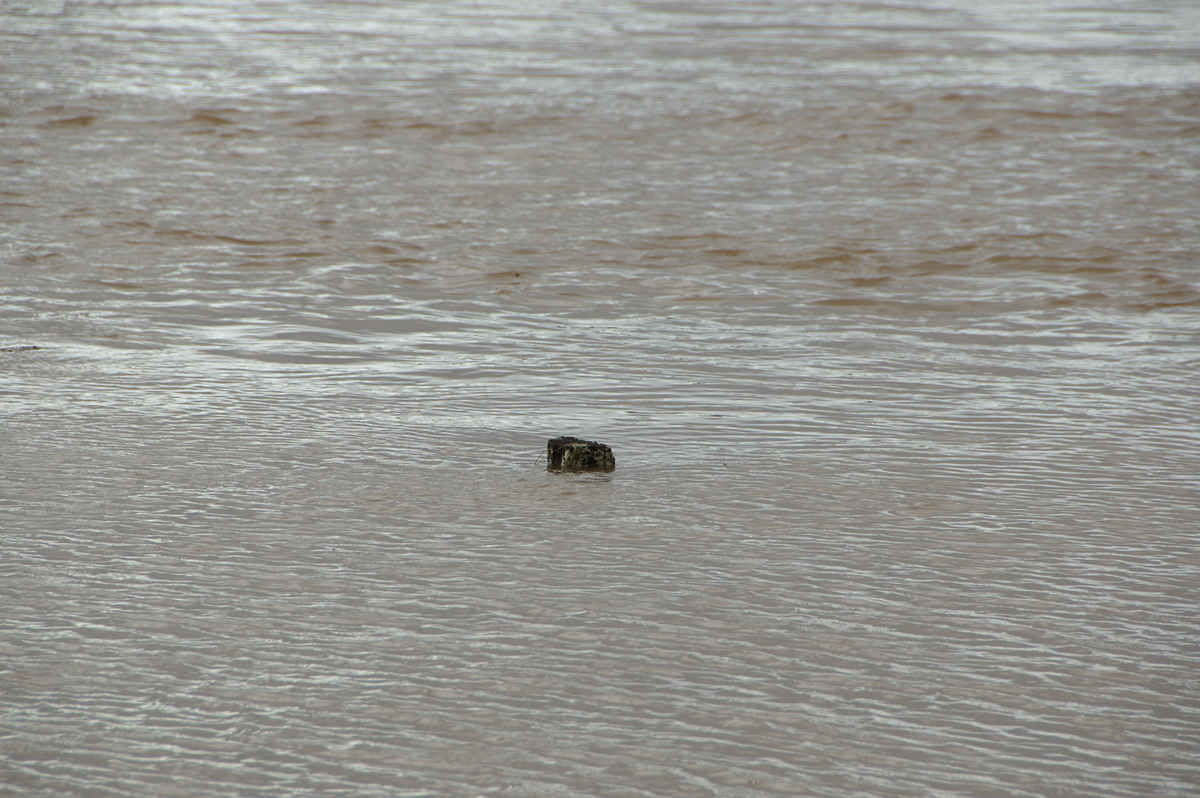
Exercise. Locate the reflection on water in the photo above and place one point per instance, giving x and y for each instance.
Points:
(888, 312)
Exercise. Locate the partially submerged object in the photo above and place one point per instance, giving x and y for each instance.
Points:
(576, 454)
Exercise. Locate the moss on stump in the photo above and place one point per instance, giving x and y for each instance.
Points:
(576, 454)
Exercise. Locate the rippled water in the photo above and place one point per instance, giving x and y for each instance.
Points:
(889, 311)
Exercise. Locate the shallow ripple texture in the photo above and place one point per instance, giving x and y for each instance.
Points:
(888, 310)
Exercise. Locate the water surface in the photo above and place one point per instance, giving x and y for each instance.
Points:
(888, 310)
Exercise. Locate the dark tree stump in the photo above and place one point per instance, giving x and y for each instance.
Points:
(576, 454)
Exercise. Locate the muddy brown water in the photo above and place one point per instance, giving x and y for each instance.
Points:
(888, 310)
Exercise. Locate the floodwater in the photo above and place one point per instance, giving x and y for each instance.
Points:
(889, 311)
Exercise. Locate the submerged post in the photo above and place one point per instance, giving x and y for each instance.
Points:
(576, 454)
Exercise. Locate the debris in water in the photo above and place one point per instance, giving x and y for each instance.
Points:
(576, 454)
